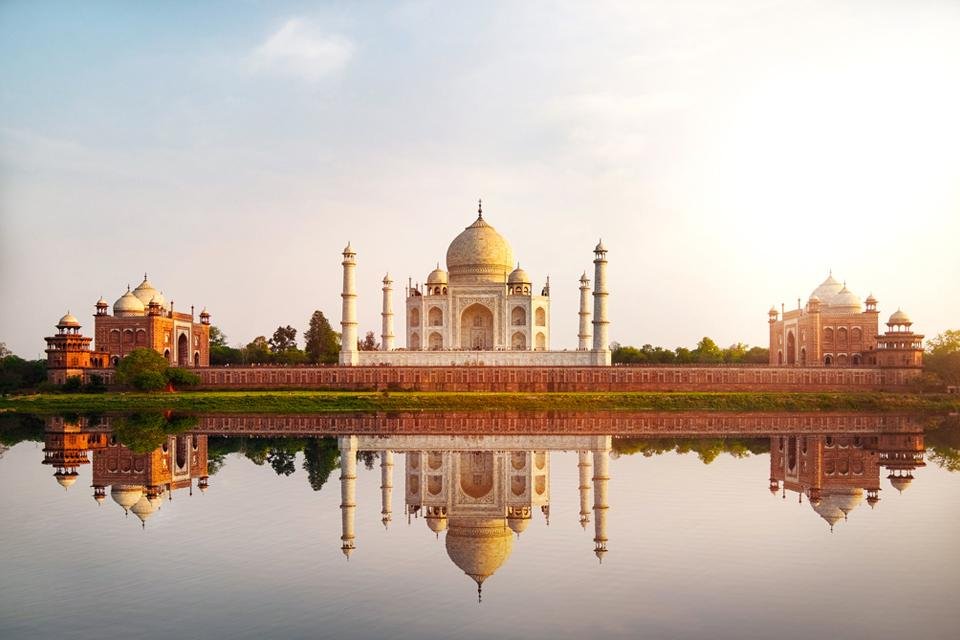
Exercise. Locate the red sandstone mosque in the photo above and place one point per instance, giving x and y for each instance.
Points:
(141, 318)
(836, 329)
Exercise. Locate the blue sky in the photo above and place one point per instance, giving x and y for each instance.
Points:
(729, 153)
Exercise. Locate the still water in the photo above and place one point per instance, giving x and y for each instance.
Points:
(618, 525)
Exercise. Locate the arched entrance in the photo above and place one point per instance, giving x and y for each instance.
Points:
(183, 350)
(791, 348)
(476, 328)
(476, 473)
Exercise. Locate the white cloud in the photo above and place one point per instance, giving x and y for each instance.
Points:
(300, 50)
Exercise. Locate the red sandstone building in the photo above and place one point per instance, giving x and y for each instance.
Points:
(836, 329)
(141, 318)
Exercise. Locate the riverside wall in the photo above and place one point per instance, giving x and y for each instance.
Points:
(559, 379)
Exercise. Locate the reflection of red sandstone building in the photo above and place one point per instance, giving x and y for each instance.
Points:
(141, 318)
(138, 482)
(834, 471)
(834, 329)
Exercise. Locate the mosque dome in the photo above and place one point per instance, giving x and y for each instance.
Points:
(846, 301)
(143, 509)
(128, 304)
(126, 495)
(145, 291)
(834, 507)
(66, 478)
(899, 317)
(518, 276)
(480, 252)
(479, 546)
(102, 302)
(437, 276)
(827, 289)
(68, 320)
(160, 300)
(900, 483)
(870, 299)
(99, 498)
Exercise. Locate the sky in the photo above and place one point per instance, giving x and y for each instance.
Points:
(729, 154)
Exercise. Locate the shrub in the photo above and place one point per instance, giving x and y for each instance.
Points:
(72, 384)
(182, 377)
(141, 361)
(149, 381)
(95, 385)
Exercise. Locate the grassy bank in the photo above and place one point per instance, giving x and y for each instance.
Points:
(343, 401)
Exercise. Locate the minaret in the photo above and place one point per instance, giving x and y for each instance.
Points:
(348, 491)
(601, 326)
(386, 331)
(584, 465)
(386, 487)
(584, 334)
(348, 321)
(601, 475)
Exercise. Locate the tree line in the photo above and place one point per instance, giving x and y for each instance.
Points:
(706, 352)
(322, 346)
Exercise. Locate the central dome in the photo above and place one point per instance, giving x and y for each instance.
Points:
(479, 252)
(479, 546)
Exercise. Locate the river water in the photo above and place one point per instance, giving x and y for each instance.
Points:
(671, 526)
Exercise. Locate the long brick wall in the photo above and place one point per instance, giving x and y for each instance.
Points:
(623, 423)
(547, 379)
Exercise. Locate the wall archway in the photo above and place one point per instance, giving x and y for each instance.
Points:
(476, 328)
(541, 342)
(435, 317)
(518, 341)
(435, 341)
(518, 317)
(541, 317)
(415, 342)
(476, 473)
(791, 348)
(183, 350)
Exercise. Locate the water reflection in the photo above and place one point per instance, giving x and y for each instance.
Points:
(482, 490)
(138, 482)
(834, 471)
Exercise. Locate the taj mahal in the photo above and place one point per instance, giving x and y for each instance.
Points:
(481, 309)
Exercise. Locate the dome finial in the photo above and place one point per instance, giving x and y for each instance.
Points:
(480, 208)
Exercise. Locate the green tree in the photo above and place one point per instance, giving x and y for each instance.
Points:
(17, 373)
(284, 339)
(756, 355)
(4, 352)
(217, 337)
(257, 351)
(181, 377)
(943, 356)
(707, 351)
(369, 342)
(323, 343)
(143, 368)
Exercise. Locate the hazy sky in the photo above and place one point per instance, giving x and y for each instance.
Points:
(729, 154)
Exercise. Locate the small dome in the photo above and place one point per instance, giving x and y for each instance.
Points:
(126, 495)
(68, 320)
(518, 276)
(388, 280)
(128, 304)
(160, 300)
(814, 300)
(102, 302)
(145, 291)
(900, 483)
(584, 278)
(846, 301)
(437, 276)
(773, 311)
(437, 523)
(599, 248)
(99, 498)
(518, 525)
(827, 289)
(66, 478)
(899, 317)
(480, 252)
(870, 299)
(348, 250)
(204, 313)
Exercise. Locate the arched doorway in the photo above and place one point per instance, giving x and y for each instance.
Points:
(518, 341)
(803, 356)
(183, 350)
(476, 473)
(196, 358)
(828, 360)
(791, 348)
(476, 328)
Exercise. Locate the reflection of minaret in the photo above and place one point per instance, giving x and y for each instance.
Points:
(386, 486)
(601, 476)
(348, 491)
(584, 465)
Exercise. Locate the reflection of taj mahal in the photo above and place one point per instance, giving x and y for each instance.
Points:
(482, 309)
(480, 491)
